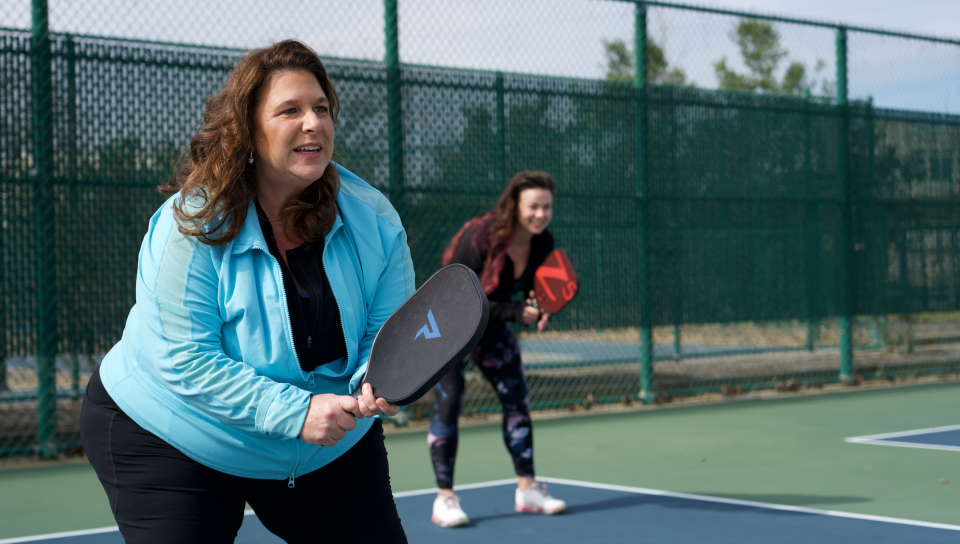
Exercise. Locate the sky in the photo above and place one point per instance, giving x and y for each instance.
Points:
(935, 17)
(553, 37)
(895, 73)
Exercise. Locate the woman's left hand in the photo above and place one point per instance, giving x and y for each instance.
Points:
(544, 318)
(531, 305)
(370, 406)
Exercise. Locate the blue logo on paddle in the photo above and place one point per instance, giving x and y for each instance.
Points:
(429, 330)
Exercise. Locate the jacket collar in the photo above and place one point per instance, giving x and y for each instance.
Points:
(251, 235)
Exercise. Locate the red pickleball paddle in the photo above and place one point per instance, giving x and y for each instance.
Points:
(555, 282)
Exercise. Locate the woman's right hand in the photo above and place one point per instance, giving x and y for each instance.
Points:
(329, 417)
(530, 315)
(530, 312)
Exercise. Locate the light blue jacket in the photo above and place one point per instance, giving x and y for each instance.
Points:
(207, 362)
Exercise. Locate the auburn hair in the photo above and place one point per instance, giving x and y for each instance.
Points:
(494, 230)
(216, 181)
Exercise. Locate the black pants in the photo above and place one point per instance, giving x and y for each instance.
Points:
(158, 494)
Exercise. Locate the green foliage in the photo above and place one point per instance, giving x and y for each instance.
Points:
(619, 61)
(620, 65)
(760, 50)
(762, 53)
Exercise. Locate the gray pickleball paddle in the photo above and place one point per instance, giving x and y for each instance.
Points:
(432, 331)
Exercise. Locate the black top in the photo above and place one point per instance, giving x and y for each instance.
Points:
(474, 255)
(314, 315)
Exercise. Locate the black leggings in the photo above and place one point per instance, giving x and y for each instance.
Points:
(158, 494)
(498, 357)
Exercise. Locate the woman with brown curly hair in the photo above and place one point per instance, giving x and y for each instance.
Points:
(261, 284)
(504, 247)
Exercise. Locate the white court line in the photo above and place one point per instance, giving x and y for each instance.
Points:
(766, 505)
(689, 496)
(625, 489)
(904, 444)
(493, 483)
(60, 535)
(66, 534)
(883, 439)
(902, 433)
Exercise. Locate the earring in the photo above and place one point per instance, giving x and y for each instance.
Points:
(250, 160)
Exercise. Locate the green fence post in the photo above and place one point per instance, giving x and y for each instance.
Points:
(647, 392)
(73, 138)
(845, 236)
(598, 263)
(70, 175)
(676, 340)
(811, 230)
(501, 131)
(394, 105)
(4, 304)
(391, 33)
(879, 238)
(3, 308)
(45, 312)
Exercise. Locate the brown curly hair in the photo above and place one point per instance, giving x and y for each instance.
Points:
(217, 176)
(495, 229)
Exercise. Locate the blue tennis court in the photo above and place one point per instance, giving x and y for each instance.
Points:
(604, 513)
(936, 438)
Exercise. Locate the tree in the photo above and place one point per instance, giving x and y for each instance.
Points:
(760, 48)
(620, 65)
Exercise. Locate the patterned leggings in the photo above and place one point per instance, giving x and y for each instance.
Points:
(498, 357)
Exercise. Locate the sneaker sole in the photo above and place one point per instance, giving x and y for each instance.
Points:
(448, 524)
(537, 510)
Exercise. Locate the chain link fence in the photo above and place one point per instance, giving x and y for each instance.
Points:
(752, 202)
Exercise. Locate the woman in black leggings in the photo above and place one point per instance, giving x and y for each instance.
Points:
(504, 247)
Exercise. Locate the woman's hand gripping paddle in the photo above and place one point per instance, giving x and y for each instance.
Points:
(555, 282)
(432, 331)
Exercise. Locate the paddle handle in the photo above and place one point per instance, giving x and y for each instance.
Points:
(358, 391)
(533, 303)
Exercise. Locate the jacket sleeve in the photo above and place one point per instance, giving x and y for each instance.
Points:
(468, 253)
(472, 256)
(395, 285)
(507, 310)
(178, 297)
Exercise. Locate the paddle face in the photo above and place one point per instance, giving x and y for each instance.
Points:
(555, 282)
(432, 331)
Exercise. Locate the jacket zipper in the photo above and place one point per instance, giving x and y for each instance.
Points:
(296, 465)
(323, 261)
(293, 349)
(286, 309)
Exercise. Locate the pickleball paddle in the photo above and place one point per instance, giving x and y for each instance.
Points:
(432, 331)
(555, 282)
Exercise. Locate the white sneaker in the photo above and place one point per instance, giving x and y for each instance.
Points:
(538, 500)
(447, 511)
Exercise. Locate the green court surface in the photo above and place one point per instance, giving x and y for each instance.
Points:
(785, 451)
